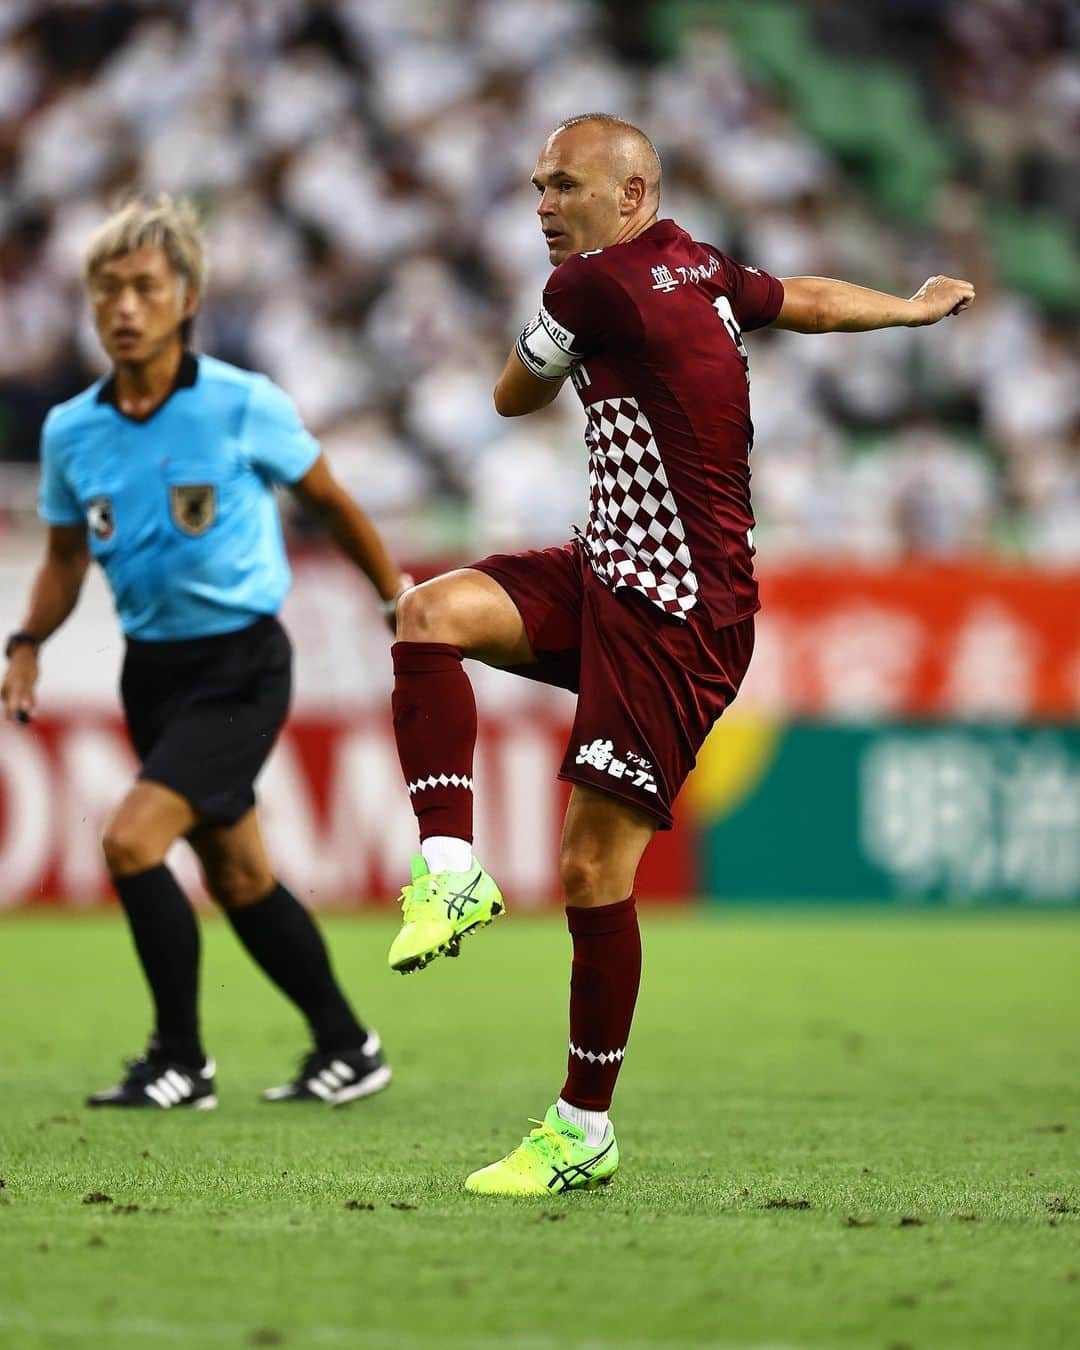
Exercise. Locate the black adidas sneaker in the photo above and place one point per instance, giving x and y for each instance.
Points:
(153, 1080)
(336, 1078)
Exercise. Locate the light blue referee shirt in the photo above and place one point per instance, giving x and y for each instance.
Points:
(180, 508)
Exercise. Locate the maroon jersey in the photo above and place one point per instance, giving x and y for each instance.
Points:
(650, 333)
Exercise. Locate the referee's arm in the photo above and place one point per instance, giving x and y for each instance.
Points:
(350, 529)
(53, 596)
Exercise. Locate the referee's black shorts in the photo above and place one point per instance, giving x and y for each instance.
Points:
(204, 714)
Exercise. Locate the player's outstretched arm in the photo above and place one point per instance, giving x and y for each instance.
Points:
(352, 531)
(822, 305)
(53, 596)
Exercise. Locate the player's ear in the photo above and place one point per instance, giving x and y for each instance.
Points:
(633, 193)
(189, 302)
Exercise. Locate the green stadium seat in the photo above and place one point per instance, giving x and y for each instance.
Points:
(1036, 253)
(870, 116)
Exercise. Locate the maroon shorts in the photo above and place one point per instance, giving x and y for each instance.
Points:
(649, 686)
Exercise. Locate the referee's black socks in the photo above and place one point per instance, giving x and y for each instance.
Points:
(282, 938)
(167, 941)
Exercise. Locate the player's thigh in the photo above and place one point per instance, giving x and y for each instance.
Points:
(144, 826)
(602, 844)
(235, 863)
(466, 609)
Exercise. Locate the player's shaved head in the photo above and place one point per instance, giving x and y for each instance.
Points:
(627, 148)
(599, 180)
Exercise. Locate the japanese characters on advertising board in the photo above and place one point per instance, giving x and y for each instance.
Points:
(815, 751)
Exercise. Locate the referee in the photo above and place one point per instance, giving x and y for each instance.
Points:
(164, 472)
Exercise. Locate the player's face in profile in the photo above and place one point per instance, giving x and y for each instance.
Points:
(579, 193)
(138, 303)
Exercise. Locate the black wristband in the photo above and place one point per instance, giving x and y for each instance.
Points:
(20, 639)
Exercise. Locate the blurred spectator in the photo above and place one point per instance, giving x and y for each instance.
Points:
(363, 166)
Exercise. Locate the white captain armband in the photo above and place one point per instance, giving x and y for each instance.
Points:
(546, 348)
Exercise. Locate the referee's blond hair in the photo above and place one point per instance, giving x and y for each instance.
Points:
(172, 225)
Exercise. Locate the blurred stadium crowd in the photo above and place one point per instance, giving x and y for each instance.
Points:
(363, 168)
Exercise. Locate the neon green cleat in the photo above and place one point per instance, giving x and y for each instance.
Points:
(552, 1158)
(438, 909)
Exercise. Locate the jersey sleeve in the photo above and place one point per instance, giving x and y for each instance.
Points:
(755, 296)
(276, 441)
(57, 502)
(583, 309)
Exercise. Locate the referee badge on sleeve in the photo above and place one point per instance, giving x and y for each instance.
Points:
(193, 507)
(99, 516)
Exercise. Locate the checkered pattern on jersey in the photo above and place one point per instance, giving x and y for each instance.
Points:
(634, 536)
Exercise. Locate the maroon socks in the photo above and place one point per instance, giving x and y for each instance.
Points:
(603, 990)
(435, 726)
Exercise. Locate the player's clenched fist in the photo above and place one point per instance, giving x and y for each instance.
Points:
(940, 296)
(17, 691)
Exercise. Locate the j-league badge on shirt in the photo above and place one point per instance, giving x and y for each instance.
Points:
(99, 517)
(193, 506)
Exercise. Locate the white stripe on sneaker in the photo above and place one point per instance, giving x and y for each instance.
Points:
(364, 1087)
(154, 1092)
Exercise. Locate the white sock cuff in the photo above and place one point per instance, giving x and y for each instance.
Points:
(444, 853)
(594, 1123)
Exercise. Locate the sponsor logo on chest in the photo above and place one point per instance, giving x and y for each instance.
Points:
(666, 280)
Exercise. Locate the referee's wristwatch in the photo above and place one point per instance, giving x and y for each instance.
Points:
(20, 639)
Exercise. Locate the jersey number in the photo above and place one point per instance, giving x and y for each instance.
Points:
(722, 305)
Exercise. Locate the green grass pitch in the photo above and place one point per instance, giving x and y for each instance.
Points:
(837, 1131)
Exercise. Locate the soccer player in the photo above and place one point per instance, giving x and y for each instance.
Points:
(647, 615)
(164, 473)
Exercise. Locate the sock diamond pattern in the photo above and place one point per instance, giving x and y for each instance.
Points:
(604, 1057)
(443, 780)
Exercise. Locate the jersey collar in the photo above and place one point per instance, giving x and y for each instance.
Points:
(661, 231)
(187, 372)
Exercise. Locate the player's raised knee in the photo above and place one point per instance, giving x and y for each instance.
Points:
(446, 609)
(422, 613)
